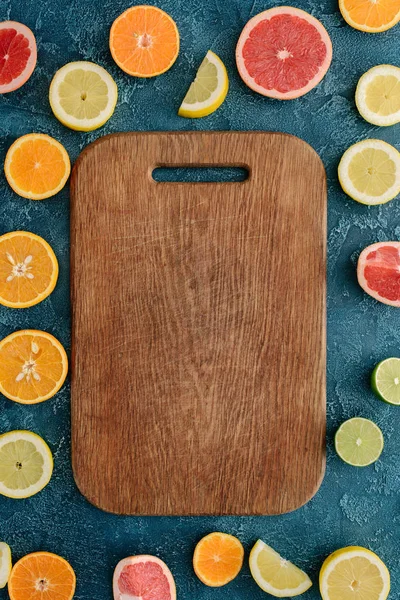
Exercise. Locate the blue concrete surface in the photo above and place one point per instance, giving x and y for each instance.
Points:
(353, 506)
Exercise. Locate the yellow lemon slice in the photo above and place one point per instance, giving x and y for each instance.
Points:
(5, 564)
(275, 575)
(26, 464)
(369, 172)
(354, 573)
(83, 95)
(208, 90)
(378, 95)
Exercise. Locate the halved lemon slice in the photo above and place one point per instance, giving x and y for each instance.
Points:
(275, 575)
(5, 564)
(83, 95)
(378, 95)
(354, 573)
(208, 90)
(26, 464)
(369, 172)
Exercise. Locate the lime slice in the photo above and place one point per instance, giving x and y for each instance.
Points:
(83, 95)
(26, 464)
(369, 172)
(359, 442)
(354, 573)
(208, 90)
(385, 380)
(275, 575)
(5, 564)
(378, 95)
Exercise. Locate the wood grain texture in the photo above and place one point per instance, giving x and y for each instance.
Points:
(198, 363)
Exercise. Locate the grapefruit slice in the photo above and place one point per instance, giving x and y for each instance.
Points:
(283, 53)
(17, 55)
(143, 577)
(378, 272)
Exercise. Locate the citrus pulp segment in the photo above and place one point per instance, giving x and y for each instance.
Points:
(283, 53)
(5, 564)
(144, 41)
(385, 380)
(218, 559)
(378, 95)
(18, 55)
(275, 575)
(378, 272)
(26, 464)
(369, 172)
(28, 269)
(209, 89)
(37, 166)
(371, 16)
(359, 442)
(146, 577)
(33, 366)
(42, 576)
(354, 573)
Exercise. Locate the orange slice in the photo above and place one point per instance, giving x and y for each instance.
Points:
(372, 16)
(42, 576)
(37, 166)
(33, 366)
(28, 269)
(217, 559)
(144, 41)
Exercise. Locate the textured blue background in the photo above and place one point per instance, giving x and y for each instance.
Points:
(353, 506)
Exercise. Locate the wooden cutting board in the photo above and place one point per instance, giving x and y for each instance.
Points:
(198, 361)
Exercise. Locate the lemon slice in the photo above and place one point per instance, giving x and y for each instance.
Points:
(369, 172)
(83, 95)
(208, 90)
(359, 442)
(5, 564)
(378, 95)
(275, 575)
(354, 573)
(26, 464)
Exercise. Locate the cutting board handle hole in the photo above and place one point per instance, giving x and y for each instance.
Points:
(203, 174)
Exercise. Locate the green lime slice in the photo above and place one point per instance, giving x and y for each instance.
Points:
(359, 442)
(385, 380)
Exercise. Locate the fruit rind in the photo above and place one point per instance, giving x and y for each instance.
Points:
(374, 383)
(12, 436)
(362, 107)
(25, 75)
(279, 10)
(6, 564)
(347, 553)
(361, 277)
(345, 423)
(131, 560)
(365, 28)
(285, 593)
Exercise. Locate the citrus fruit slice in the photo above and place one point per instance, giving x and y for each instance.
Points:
(378, 95)
(218, 559)
(283, 53)
(17, 55)
(5, 564)
(274, 574)
(83, 95)
(354, 573)
(378, 272)
(40, 576)
(385, 380)
(372, 16)
(144, 41)
(208, 90)
(28, 269)
(37, 166)
(359, 442)
(26, 464)
(369, 172)
(33, 366)
(145, 577)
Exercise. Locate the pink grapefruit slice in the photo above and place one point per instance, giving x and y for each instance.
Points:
(378, 272)
(283, 53)
(143, 578)
(17, 55)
